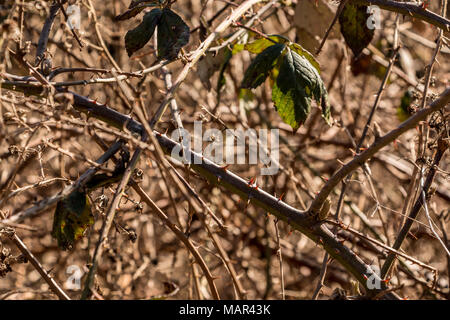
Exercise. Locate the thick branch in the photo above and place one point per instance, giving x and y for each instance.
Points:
(43, 38)
(412, 9)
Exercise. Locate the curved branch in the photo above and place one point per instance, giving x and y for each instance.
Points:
(45, 33)
(412, 9)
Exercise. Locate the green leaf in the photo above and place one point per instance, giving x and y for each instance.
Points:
(72, 217)
(305, 53)
(353, 21)
(261, 66)
(173, 34)
(238, 47)
(291, 103)
(260, 45)
(138, 37)
(404, 110)
(298, 82)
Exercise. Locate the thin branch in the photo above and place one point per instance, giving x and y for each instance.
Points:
(427, 213)
(442, 147)
(336, 17)
(110, 214)
(36, 264)
(45, 33)
(178, 233)
(280, 259)
(237, 13)
(360, 159)
(47, 203)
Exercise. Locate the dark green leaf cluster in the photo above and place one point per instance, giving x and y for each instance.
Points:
(353, 21)
(73, 213)
(173, 32)
(72, 217)
(296, 78)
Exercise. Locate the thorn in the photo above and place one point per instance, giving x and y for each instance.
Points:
(252, 183)
(281, 197)
(225, 167)
(395, 144)
(424, 5)
(412, 235)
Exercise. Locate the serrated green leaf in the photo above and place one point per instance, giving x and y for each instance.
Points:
(305, 53)
(72, 217)
(138, 37)
(260, 45)
(238, 47)
(297, 83)
(292, 105)
(353, 21)
(257, 46)
(261, 66)
(173, 34)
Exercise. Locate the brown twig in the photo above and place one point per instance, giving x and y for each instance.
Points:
(442, 147)
(36, 264)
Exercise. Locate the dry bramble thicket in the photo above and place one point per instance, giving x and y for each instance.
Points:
(93, 204)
